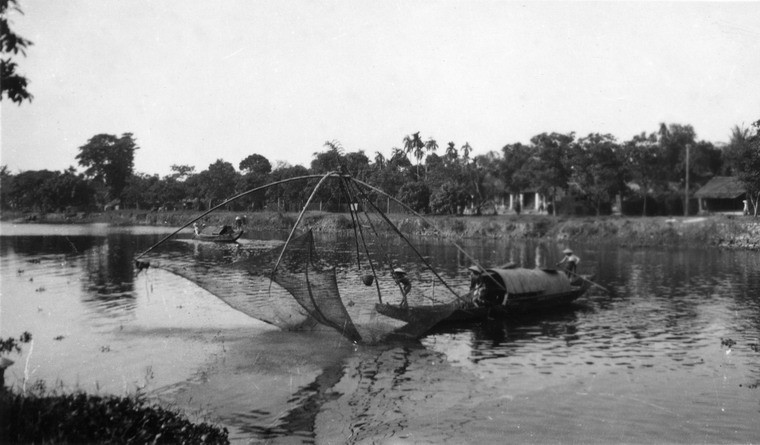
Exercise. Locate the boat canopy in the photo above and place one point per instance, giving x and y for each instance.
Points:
(217, 230)
(527, 281)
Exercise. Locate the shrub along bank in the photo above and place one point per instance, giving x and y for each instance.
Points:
(39, 416)
(718, 231)
(714, 230)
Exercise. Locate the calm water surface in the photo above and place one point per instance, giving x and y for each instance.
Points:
(669, 355)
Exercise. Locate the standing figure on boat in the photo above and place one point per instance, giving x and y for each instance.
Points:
(238, 223)
(403, 281)
(570, 261)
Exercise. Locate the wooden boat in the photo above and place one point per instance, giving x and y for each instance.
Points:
(499, 293)
(218, 234)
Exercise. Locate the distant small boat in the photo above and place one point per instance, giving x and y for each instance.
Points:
(218, 234)
(499, 293)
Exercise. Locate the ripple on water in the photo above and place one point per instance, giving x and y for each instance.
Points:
(650, 362)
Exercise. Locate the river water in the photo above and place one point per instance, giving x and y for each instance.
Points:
(667, 353)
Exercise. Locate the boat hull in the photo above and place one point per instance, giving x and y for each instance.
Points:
(225, 238)
(467, 311)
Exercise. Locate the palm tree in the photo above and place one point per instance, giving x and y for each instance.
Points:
(410, 143)
(664, 132)
(334, 145)
(466, 150)
(451, 152)
(739, 135)
(379, 160)
(397, 157)
(413, 145)
(430, 146)
(733, 153)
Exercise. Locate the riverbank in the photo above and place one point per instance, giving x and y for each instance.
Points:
(725, 231)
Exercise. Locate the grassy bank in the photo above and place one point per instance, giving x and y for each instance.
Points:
(718, 231)
(715, 230)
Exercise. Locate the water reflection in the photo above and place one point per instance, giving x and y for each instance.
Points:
(300, 420)
(385, 389)
(646, 362)
(109, 284)
(502, 338)
(106, 260)
(40, 246)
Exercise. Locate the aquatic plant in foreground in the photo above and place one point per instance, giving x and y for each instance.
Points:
(41, 416)
(38, 415)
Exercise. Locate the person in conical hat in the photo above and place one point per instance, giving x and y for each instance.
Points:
(406, 286)
(570, 261)
(475, 273)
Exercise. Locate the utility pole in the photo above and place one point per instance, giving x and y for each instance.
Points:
(686, 191)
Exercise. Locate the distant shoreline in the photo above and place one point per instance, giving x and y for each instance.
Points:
(724, 231)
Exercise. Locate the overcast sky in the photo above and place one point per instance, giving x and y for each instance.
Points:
(196, 81)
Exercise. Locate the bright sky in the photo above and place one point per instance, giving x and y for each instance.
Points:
(196, 81)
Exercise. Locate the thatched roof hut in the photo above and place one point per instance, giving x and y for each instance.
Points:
(721, 194)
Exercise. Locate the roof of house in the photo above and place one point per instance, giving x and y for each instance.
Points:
(722, 187)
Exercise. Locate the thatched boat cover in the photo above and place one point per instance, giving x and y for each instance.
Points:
(216, 230)
(524, 281)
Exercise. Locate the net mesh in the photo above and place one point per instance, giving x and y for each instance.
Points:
(315, 289)
(338, 282)
(212, 267)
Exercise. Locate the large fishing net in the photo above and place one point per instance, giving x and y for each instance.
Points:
(314, 286)
(336, 281)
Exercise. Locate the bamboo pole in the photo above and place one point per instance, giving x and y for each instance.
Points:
(234, 198)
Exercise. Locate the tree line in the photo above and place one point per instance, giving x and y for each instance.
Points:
(576, 175)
